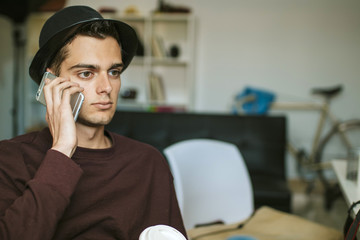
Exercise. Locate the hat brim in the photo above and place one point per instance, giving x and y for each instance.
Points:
(127, 36)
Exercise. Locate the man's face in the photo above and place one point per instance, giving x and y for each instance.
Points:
(96, 65)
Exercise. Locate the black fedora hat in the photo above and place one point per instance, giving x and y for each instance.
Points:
(59, 27)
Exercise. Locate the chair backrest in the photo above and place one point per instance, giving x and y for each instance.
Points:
(211, 181)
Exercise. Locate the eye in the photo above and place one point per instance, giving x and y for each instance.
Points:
(85, 75)
(114, 73)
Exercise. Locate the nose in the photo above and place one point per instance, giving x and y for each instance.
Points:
(103, 84)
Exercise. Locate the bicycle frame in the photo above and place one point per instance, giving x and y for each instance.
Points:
(325, 113)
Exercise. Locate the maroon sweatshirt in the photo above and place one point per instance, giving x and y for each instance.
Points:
(112, 193)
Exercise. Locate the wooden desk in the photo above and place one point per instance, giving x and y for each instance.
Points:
(350, 189)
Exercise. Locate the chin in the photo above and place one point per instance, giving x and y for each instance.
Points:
(95, 121)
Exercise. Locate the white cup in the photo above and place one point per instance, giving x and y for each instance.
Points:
(161, 232)
(353, 166)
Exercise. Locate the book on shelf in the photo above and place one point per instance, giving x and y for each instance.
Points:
(167, 109)
(158, 47)
(156, 88)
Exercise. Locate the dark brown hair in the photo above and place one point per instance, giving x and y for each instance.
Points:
(98, 29)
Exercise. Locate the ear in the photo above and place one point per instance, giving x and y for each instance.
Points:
(50, 71)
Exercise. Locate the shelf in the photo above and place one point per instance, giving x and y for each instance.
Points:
(138, 60)
(131, 104)
(168, 62)
(153, 106)
(125, 17)
(160, 32)
(163, 17)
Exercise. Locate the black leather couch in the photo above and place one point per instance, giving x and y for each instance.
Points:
(260, 139)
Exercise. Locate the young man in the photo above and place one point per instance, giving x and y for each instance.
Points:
(74, 180)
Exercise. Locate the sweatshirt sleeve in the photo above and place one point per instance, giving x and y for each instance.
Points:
(175, 215)
(31, 206)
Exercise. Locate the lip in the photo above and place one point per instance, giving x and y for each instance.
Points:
(103, 105)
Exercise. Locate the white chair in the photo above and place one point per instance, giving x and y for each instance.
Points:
(211, 181)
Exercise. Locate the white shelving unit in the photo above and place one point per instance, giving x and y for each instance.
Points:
(176, 73)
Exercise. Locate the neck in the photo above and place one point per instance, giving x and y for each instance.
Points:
(92, 137)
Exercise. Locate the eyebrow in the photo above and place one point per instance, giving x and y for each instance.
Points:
(90, 66)
(117, 65)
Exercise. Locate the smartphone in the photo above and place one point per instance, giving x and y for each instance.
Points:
(76, 100)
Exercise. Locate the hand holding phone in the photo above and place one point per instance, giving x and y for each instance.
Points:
(61, 125)
(76, 99)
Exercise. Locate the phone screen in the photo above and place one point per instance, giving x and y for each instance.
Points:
(76, 99)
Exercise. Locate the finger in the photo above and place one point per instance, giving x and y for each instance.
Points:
(47, 92)
(49, 89)
(58, 91)
(47, 117)
(53, 94)
(70, 91)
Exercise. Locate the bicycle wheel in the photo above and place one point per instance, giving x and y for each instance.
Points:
(337, 144)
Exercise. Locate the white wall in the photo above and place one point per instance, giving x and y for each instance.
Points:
(286, 46)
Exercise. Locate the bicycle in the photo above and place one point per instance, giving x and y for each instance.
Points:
(336, 143)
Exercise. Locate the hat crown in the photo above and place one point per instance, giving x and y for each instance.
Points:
(64, 19)
(58, 28)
